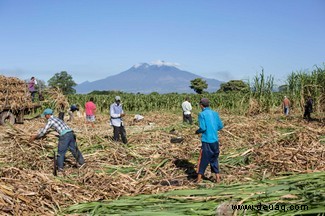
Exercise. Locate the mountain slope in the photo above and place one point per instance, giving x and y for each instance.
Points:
(146, 78)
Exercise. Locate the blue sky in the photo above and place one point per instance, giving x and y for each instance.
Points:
(230, 39)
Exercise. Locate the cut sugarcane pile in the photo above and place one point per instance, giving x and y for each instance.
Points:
(56, 99)
(14, 93)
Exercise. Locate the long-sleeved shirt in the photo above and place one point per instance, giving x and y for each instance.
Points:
(57, 124)
(187, 107)
(209, 123)
(115, 112)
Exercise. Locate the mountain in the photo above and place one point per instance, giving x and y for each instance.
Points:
(147, 78)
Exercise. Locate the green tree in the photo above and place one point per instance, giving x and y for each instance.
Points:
(64, 81)
(41, 85)
(198, 85)
(234, 86)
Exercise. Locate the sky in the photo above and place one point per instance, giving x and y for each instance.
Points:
(220, 39)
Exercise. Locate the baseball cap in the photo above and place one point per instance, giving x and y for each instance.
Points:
(117, 98)
(204, 102)
(47, 111)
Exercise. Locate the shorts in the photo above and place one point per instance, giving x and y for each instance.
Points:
(90, 118)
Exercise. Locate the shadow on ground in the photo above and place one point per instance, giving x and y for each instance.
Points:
(188, 167)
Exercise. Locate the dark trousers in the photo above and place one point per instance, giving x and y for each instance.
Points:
(187, 118)
(286, 110)
(209, 155)
(307, 114)
(68, 142)
(120, 130)
(32, 93)
(61, 116)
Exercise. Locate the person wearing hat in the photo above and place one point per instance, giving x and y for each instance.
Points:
(67, 139)
(286, 105)
(209, 125)
(187, 108)
(116, 113)
(72, 109)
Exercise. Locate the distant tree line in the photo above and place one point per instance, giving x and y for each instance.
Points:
(298, 86)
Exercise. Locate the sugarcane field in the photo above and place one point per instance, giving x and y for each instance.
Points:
(162, 108)
(270, 163)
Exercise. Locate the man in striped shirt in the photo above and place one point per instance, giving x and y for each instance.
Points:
(67, 139)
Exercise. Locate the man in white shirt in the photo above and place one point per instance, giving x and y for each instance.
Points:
(187, 108)
(116, 113)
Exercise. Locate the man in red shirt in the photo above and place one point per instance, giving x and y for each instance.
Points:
(90, 108)
(286, 105)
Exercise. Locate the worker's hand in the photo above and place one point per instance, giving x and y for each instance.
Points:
(122, 115)
(32, 138)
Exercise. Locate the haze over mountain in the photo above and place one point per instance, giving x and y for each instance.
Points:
(146, 78)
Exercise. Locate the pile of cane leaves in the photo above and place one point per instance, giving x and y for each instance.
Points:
(305, 193)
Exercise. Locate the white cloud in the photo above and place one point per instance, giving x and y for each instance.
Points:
(160, 63)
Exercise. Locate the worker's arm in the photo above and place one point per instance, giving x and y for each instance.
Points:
(202, 125)
(122, 114)
(94, 110)
(42, 132)
(219, 122)
(113, 114)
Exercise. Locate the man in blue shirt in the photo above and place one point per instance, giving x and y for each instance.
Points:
(72, 109)
(209, 123)
(67, 140)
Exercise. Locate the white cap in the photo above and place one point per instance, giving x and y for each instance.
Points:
(117, 98)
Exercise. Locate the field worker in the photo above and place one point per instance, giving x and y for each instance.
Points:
(31, 87)
(286, 105)
(67, 140)
(308, 108)
(116, 113)
(187, 108)
(61, 111)
(209, 125)
(90, 108)
(72, 109)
